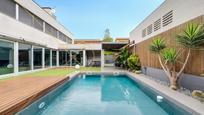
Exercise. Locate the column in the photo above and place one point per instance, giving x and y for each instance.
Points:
(84, 58)
(57, 59)
(65, 58)
(32, 59)
(43, 57)
(43, 26)
(50, 57)
(16, 57)
(70, 54)
(17, 12)
(102, 58)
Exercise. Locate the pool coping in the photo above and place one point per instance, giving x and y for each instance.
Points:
(188, 103)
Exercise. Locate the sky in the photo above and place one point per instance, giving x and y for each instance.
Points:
(88, 19)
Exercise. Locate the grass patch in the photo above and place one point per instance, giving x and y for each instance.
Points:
(54, 72)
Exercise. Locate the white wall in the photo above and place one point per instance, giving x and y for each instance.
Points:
(183, 11)
(84, 46)
(37, 10)
(16, 29)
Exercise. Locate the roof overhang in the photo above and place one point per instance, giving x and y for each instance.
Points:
(112, 45)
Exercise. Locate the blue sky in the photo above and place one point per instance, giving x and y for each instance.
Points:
(88, 19)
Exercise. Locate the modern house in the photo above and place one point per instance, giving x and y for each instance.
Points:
(167, 21)
(31, 38)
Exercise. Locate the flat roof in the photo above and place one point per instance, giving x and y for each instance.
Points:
(113, 45)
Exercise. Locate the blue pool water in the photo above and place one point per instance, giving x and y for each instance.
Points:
(104, 94)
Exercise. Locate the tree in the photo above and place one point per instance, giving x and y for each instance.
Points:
(192, 37)
(107, 37)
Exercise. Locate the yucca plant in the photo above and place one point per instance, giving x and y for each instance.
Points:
(192, 37)
(157, 45)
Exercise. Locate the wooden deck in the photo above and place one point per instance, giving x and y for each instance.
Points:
(16, 94)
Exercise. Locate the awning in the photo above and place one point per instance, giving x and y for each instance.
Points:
(111, 46)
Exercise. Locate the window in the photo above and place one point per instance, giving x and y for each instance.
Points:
(77, 57)
(144, 33)
(64, 58)
(54, 58)
(50, 30)
(167, 18)
(68, 40)
(38, 23)
(6, 57)
(47, 57)
(62, 36)
(28, 18)
(25, 16)
(149, 29)
(157, 25)
(24, 57)
(37, 57)
(8, 7)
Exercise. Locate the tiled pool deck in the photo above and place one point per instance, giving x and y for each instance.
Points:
(17, 93)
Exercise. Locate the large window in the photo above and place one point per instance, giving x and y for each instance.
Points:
(50, 30)
(64, 58)
(8, 7)
(28, 18)
(6, 57)
(54, 58)
(24, 57)
(77, 57)
(47, 57)
(37, 57)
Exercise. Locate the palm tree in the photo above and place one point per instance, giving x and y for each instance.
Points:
(191, 38)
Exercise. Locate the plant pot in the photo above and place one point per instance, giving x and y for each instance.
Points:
(173, 87)
(202, 75)
(138, 71)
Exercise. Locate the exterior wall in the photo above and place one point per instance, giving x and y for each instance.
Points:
(183, 11)
(195, 65)
(122, 40)
(15, 31)
(37, 10)
(188, 81)
(87, 41)
(20, 31)
(84, 46)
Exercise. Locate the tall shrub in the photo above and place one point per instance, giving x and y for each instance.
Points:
(134, 62)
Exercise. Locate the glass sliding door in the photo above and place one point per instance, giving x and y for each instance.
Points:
(64, 58)
(6, 57)
(68, 58)
(37, 57)
(54, 58)
(24, 57)
(47, 57)
(77, 57)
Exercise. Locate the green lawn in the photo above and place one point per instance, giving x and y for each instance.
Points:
(60, 72)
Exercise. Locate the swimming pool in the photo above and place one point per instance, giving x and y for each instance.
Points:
(103, 94)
